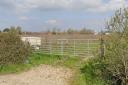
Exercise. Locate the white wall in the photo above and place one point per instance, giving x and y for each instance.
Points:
(32, 40)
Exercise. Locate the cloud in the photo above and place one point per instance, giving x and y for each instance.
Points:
(7, 5)
(53, 22)
(24, 18)
(111, 5)
(52, 5)
(115, 4)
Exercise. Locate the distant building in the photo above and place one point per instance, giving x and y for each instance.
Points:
(34, 41)
(107, 33)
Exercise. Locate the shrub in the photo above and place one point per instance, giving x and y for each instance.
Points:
(116, 47)
(12, 49)
(94, 72)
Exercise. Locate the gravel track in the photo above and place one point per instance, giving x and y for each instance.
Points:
(42, 75)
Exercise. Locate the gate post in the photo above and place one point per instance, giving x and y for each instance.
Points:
(88, 47)
(50, 45)
(74, 47)
(62, 47)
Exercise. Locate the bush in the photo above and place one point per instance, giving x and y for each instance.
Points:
(95, 72)
(12, 49)
(116, 47)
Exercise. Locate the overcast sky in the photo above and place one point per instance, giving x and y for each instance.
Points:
(40, 15)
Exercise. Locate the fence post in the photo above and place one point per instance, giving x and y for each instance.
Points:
(102, 47)
(74, 48)
(50, 45)
(88, 47)
(62, 47)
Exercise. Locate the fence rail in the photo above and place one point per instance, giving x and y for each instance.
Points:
(73, 47)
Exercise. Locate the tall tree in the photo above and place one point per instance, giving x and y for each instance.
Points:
(70, 31)
(19, 29)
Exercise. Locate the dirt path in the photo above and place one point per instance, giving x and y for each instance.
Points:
(42, 75)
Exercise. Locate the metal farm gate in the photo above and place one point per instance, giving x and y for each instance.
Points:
(72, 47)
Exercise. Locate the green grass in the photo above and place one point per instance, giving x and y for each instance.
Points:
(37, 59)
(88, 73)
(14, 68)
(74, 63)
(34, 60)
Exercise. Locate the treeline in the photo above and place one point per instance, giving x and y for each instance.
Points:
(71, 31)
(56, 31)
(53, 31)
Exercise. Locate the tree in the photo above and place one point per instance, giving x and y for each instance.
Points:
(116, 46)
(6, 30)
(70, 31)
(17, 29)
(12, 49)
(54, 31)
(86, 31)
